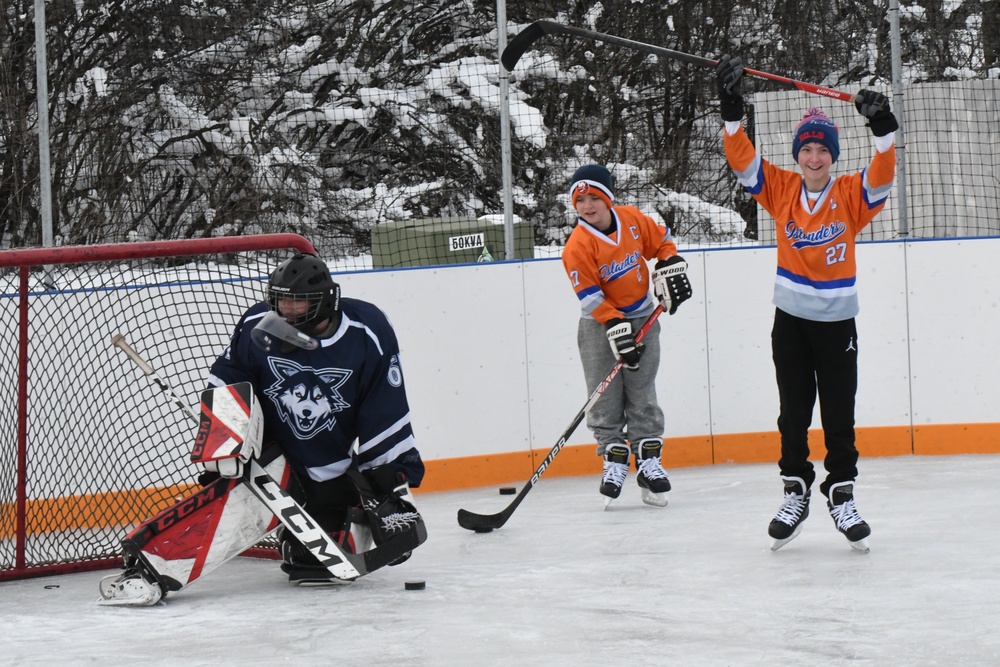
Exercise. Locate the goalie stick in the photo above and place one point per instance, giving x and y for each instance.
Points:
(524, 39)
(484, 523)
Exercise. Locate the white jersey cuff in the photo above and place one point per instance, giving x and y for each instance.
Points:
(882, 144)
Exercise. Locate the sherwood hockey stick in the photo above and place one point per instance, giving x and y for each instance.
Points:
(343, 565)
(484, 523)
(524, 39)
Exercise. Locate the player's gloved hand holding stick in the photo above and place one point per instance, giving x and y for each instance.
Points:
(670, 283)
(728, 73)
(623, 343)
(875, 107)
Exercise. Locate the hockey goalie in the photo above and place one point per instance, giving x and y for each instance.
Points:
(304, 430)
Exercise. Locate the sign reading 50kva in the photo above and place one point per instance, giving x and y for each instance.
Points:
(466, 242)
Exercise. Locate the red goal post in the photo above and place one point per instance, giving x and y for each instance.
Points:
(89, 446)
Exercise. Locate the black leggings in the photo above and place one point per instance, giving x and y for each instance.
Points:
(811, 357)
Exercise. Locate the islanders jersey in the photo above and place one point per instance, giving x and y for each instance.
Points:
(817, 272)
(608, 272)
(317, 403)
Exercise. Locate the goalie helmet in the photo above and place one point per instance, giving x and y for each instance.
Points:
(302, 291)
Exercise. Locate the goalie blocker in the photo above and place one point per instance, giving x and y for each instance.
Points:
(253, 495)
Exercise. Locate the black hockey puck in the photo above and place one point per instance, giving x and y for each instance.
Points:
(415, 585)
(484, 530)
(507, 490)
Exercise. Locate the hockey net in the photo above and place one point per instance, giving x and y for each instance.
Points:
(89, 446)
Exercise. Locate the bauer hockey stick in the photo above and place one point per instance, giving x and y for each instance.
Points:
(524, 39)
(484, 523)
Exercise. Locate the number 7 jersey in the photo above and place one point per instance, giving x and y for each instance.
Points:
(817, 271)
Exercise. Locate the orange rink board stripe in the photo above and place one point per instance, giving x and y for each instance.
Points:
(123, 508)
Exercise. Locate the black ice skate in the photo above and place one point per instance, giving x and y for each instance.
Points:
(615, 471)
(787, 523)
(652, 477)
(846, 518)
(302, 567)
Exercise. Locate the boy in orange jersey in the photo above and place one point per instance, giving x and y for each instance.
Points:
(605, 258)
(814, 340)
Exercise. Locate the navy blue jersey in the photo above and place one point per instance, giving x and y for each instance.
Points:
(317, 403)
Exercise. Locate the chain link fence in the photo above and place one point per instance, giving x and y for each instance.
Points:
(358, 124)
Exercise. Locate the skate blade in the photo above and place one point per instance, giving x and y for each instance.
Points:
(322, 583)
(777, 544)
(654, 499)
(861, 546)
(607, 501)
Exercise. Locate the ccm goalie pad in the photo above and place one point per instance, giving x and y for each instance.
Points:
(185, 542)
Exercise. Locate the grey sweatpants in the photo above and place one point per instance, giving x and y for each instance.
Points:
(628, 410)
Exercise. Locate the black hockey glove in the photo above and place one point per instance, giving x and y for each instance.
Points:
(728, 73)
(670, 283)
(875, 107)
(623, 343)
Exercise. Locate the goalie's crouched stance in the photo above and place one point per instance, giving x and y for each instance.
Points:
(246, 494)
(321, 376)
(355, 509)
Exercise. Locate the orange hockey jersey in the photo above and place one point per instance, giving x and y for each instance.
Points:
(817, 273)
(608, 271)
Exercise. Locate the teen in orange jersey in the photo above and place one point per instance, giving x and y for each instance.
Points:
(605, 258)
(814, 341)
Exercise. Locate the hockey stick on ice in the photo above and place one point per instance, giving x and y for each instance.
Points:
(484, 523)
(343, 565)
(524, 39)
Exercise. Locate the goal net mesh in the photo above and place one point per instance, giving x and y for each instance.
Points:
(102, 447)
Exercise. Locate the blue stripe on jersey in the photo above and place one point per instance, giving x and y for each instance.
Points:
(817, 300)
(817, 284)
(637, 306)
(874, 196)
(752, 178)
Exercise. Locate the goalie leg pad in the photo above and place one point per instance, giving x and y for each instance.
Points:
(190, 539)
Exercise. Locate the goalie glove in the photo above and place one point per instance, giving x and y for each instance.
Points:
(622, 340)
(670, 283)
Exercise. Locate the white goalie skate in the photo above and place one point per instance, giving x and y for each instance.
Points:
(129, 590)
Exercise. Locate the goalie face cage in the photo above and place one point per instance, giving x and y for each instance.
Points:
(94, 447)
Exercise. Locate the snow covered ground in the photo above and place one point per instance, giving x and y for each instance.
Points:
(564, 583)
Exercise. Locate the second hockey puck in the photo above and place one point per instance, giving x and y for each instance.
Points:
(507, 490)
(484, 530)
(415, 585)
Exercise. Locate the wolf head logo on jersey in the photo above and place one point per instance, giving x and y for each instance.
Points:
(306, 398)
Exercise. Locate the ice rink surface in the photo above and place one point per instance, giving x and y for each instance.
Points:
(565, 583)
